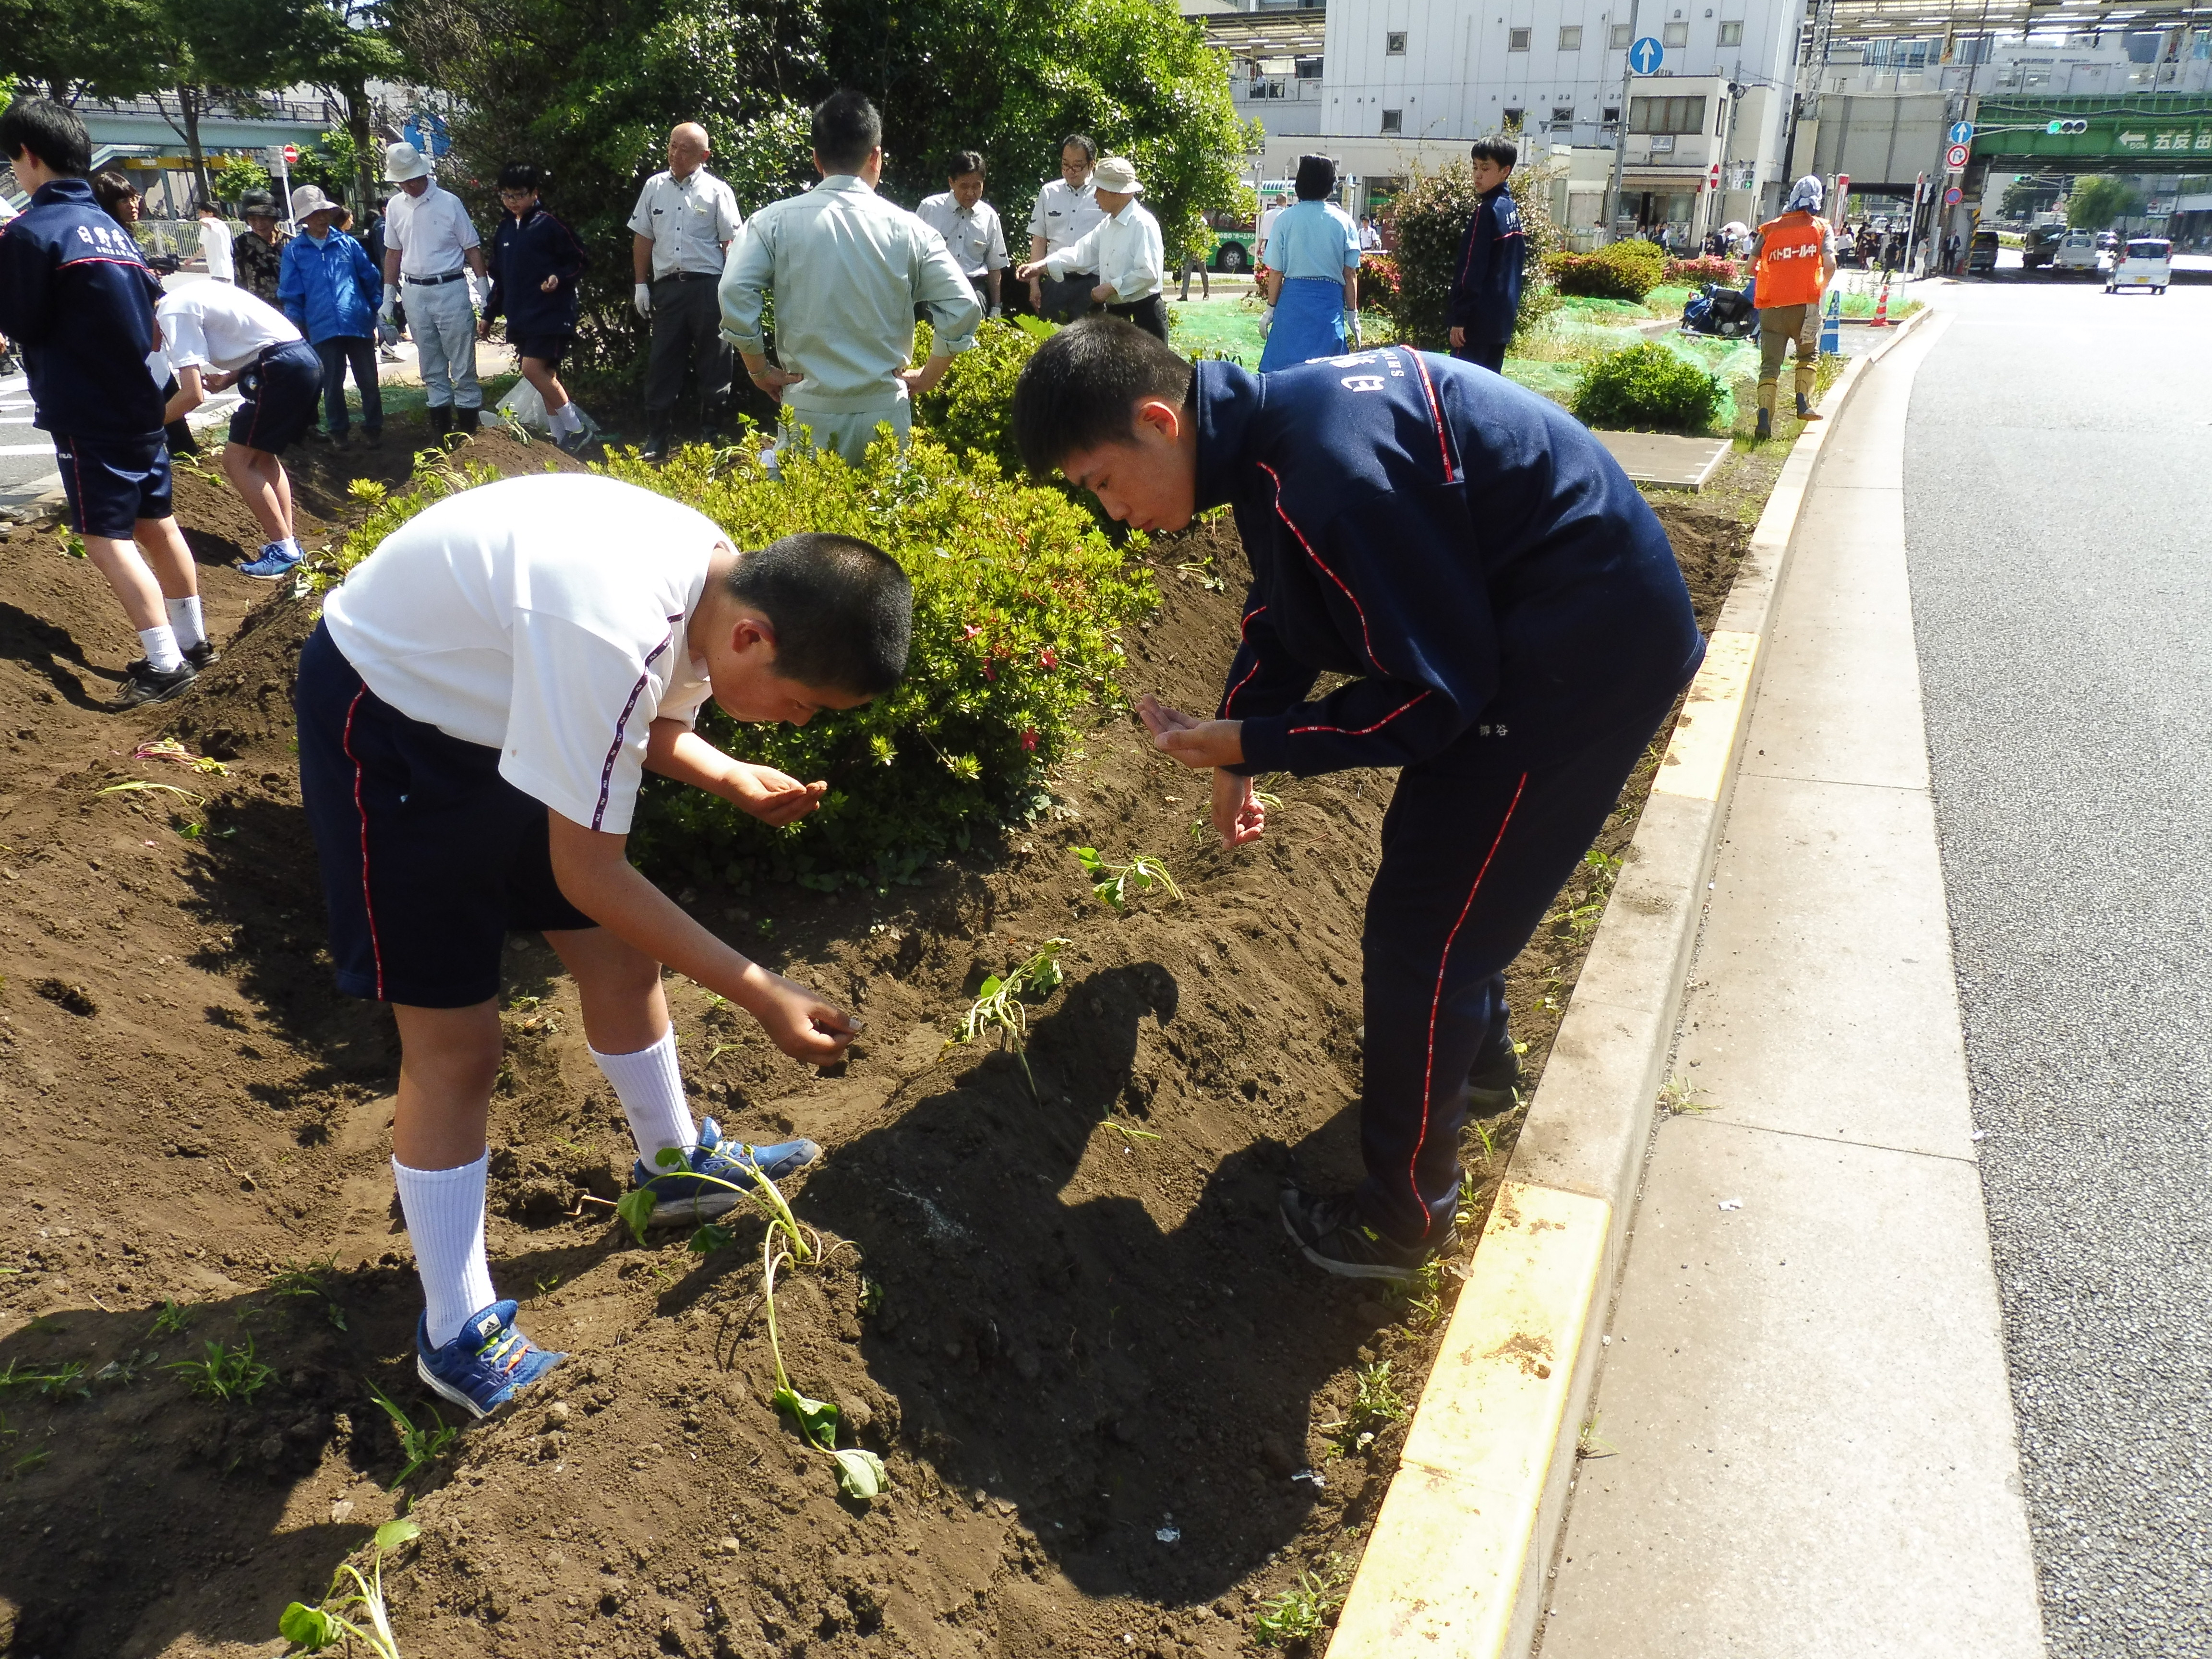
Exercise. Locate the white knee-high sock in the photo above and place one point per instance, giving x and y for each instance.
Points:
(160, 644)
(445, 1211)
(186, 621)
(650, 1085)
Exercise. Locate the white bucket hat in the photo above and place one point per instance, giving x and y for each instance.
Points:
(1118, 175)
(403, 162)
(309, 198)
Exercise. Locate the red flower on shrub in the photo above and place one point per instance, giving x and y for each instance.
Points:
(1047, 657)
(1029, 741)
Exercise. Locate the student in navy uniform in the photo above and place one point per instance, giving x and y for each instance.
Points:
(1486, 290)
(1515, 629)
(76, 296)
(535, 262)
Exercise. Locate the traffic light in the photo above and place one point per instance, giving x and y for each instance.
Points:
(2065, 129)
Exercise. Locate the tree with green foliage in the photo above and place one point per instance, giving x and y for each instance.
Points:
(2026, 195)
(1430, 217)
(2100, 199)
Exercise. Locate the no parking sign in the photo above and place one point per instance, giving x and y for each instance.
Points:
(1953, 195)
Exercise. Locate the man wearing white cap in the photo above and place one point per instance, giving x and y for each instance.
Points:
(327, 285)
(1124, 249)
(430, 245)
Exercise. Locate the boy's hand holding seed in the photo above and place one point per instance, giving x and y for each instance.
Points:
(1238, 818)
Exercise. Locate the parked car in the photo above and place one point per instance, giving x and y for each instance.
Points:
(2146, 262)
(2039, 245)
(2078, 252)
(2107, 241)
(1981, 254)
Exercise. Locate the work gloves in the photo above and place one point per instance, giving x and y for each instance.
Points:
(641, 297)
(1351, 317)
(391, 299)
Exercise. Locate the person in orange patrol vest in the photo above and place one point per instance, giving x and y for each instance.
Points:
(1795, 257)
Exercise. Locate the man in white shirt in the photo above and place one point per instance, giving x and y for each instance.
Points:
(1066, 210)
(430, 244)
(970, 228)
(215, 334)
(215, 244)
(515, 658)
(1124, 248)
(848, 270)
(680, 233)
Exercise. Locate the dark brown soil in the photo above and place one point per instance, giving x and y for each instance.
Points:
(1103, 1385)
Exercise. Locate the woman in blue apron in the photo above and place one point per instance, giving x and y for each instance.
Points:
(1314, 254)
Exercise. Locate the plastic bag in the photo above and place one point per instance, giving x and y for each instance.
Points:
(525, 405)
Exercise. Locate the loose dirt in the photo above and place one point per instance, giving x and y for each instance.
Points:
(1111, 1398)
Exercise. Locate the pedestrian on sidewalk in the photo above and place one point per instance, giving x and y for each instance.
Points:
(1124, 248)
(257, 251)
(1312, 266)
(535, 262)
(680, 236)
(1066, 212)
(1516, 627)
(848, 270)
(430, 245)
(516, 658)
(970, 228)
(218, 335)
(216, 251)
(1484, 304)
(77, 299)
(1795, 258)
(330, 288)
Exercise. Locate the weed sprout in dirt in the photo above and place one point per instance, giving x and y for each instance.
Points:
(1000, 1004)
(317, 1627)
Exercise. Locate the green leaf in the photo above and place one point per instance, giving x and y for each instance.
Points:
(861, 1475)
(816, 1418)
(670, 1157)
(1088, 857)
(635, 1209)
(309, 1628)
(989, 989)
(392, 1533)
(710, 1238)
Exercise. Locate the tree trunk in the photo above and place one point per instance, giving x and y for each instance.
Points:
(189, 100)
(354, 101)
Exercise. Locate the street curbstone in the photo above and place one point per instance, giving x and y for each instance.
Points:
(1465, 1534)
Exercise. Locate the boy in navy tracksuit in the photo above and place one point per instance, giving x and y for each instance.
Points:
(1517, 628)
(77, 297)
(535, 262)
(1486, 290)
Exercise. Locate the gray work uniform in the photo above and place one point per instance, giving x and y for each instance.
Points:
(690, 220)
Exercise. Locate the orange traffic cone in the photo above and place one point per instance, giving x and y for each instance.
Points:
(1881, 306)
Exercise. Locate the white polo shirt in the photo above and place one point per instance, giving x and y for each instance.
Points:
(1125, 250)
(542, 616)
(1063, 217)
(688, 220)
(432, 232)
(215, 249)
(219, 325)
(973, 235)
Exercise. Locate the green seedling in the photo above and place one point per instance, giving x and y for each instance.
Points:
(24, 1465)
(1273, 803)
(861, 1474)
(1591, 1445)
(142, 786)
(224, 1373)
(1000, 1006)
(57, 1384)
(308, 1280)
(1423, 1295)
(1678, 1096)
(872, 1295)
(124, 1372)
(1129, 1131)
(317, 1627)
(420, 1446)
(635, 1206)
(1113, 882)
(368, 491)
(710, 1237)
(1376, 1405)
(1297, 1614)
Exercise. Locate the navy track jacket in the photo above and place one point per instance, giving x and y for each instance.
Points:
(76, 295)
(1486, 290)
(1466, 549)
(526, 252)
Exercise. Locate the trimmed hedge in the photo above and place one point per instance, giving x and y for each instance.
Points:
(1647, 385)
(1378, 284)
(1618, 271)
(1705, 268)
(971, 410)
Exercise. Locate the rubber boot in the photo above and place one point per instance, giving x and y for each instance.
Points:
(656, 441)
(1766, 427)
(1805, 409)
(441, 419)
(467, 420)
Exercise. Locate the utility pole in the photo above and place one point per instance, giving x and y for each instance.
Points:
(1621, 130)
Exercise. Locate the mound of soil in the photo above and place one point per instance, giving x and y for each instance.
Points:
(1115, 1407)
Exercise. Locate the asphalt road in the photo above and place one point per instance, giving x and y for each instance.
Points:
(2057, 469)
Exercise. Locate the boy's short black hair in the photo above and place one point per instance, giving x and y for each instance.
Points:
(522, 176)
(1082, 141)
(49, 131)
(842, 609)
(846, 128)
(1080, 388)
(1316, 178)
(1502, 151)
(964, 162)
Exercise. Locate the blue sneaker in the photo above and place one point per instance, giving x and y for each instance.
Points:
(487, 1365)
(698, 1195)
(274, 562)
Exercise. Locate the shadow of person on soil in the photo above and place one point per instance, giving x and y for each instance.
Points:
(134, 1511)
(44, 647)
(1141, 1392)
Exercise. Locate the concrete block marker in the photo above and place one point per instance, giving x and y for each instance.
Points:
(1458, 1557)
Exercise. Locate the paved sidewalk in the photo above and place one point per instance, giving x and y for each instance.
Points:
(1804, 1433)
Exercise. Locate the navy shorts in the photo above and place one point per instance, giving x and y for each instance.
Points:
(547, 348)
(428, 857)
(282, 392)
(113, 483)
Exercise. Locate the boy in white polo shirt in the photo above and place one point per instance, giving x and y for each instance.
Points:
(478, 710)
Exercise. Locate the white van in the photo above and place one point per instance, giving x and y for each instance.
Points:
(2146, 262)
(2077, 253)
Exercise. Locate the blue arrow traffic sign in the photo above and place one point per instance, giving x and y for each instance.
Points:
(1962, 132)
(1644, 56)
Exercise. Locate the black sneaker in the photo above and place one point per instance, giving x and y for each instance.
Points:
(1330, 1234)
(203, 655)
(141, 684)
(1494, 1086)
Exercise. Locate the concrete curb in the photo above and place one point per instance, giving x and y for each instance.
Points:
(1457, 1564)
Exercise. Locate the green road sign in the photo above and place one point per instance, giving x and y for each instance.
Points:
(2160, 131)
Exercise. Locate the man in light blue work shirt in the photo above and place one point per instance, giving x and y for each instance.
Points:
(848, 270)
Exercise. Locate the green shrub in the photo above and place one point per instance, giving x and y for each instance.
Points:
(1619, 270)
(1647, 385)
(1378, 284)
(1017, 597)
(1429, 219)
(971, 410)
